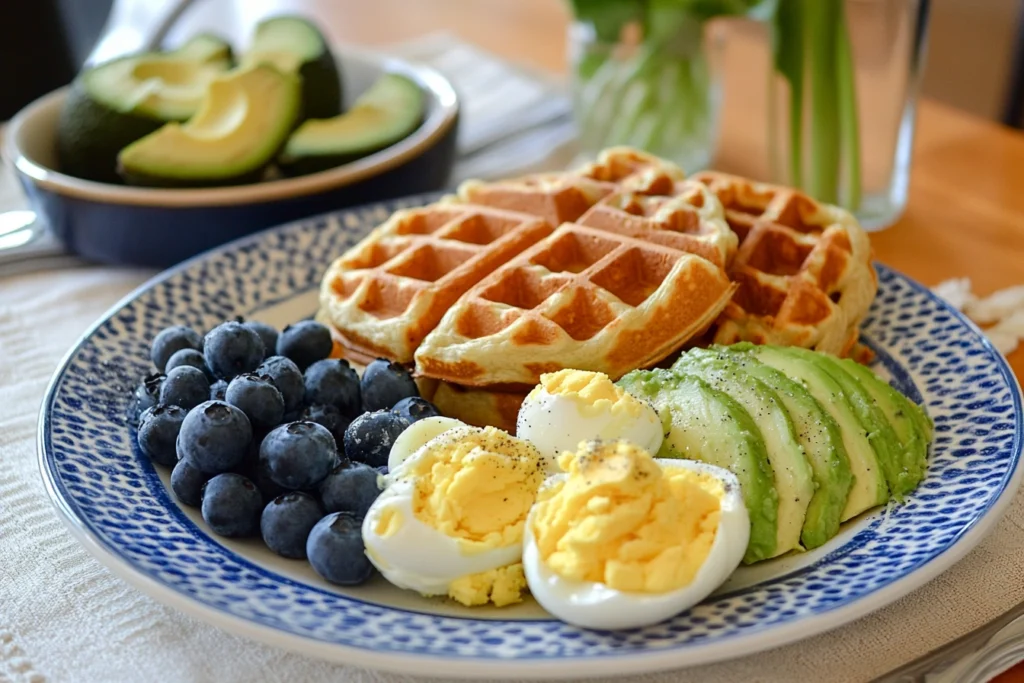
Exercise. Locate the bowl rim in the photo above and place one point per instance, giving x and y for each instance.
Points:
(430, 132)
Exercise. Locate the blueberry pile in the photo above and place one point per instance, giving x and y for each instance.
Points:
(268, 436)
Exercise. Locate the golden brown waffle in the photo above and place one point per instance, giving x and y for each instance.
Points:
(581, 298)
(690, 219)
(803, 268)
(564, 197)
(385, 294)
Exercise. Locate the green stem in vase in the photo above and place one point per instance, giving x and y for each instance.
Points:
(788, 46)
(820, 33)
(848, 122)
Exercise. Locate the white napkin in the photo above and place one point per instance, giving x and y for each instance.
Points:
(63, 617)
(1001, 313)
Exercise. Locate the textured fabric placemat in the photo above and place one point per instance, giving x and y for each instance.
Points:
(63, 617)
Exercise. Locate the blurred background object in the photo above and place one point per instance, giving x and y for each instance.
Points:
(972, 63)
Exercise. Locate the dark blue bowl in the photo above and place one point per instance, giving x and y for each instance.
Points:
(160, 227)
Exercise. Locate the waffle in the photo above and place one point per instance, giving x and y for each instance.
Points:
(689, 219)
(385, 294)
(480, 407)
(582, 298)
(564, 197)
(803, 268)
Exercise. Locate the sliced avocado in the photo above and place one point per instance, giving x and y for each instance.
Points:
(118, 102)
(912, 453)
(245, 118)
(793, 479)
(296, 46)
(817, 434)
(869, 483)
(386, 113)
(822, 442)
(703, 423)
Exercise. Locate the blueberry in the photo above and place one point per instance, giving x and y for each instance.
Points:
(255, 396)
(287, 377)
(299, 455)
(287, 521)
(190, 357)
(414, 408)
(383, 470)
(214, 437)
(329, 417)
(158, 432)
(232, 505)
(384, 384)
(350, 487)
(305, 342)
(231, 348)
(185, 386)
(267, 334)
(170, 340)
(333, 382)
(187, 483)
(336, 552)
(146, 395)
(370, 436)
(218, 390)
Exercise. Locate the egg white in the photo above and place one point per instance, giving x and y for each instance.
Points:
(555, 424)
(597, 606)
(416, 436)
(419, 557)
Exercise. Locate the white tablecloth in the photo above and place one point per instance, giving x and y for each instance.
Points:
(63, 617)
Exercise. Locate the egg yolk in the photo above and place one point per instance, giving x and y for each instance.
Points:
(593, 392)
(621, 520)
(477, 486)
(502, 586)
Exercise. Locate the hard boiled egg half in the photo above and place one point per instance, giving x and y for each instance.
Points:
(623, 540)
(572, 406)
(451, 520)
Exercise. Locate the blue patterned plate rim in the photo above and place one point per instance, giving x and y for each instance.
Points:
(608, 654)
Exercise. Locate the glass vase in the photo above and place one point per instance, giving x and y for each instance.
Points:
(841, 103)
(655, 89)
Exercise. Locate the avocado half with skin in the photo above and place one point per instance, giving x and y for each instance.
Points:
(386, 113)
(118, 102)
(244, 120)
(295, 46)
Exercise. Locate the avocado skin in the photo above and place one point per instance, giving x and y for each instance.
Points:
(321, 87)
(83, 152)
(90, 134)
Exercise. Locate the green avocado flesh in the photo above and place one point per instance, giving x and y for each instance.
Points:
(911, 454)
(793, 480)
(869, 487)
(245, 118)
(822, 442)
(703, 423)
(814, 440)
(118, 102)
(294, 45)
(388, 112)
(807, 443)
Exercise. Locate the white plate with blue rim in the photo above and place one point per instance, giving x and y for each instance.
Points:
(119, 505)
